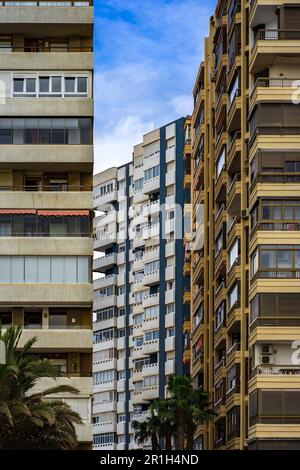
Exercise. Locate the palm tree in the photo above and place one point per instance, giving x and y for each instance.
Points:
(191, 407)
(28, 419)
(165, 412)
(148, 429)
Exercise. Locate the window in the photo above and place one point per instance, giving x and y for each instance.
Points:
(151, 173)
(233, 296)
(33, 318)
(170, 308)
(151, 312)
(105, 314)
(233, 254)
(220, 315)
(5, 318)
(24, 87)
(121, 290)
(152, 267)
(138, 276)
(139, 319)
(121, 312)
(50, 85)
(152, 335)
(170, 332)
(58, 318)
(219, 243)
(103, 439)
(139, 341)
(76, 86)
(138, 184)
(104, 335)
(44, 269)
(46, 131)
(121, 375)
(151, 381)
(220, 163)
(103, 377)
(232, 378)
(198, 317)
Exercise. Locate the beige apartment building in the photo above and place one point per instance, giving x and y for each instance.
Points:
(245, 276)
(46, 168)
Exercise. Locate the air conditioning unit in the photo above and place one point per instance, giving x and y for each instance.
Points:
(266, 349)
(267, 359)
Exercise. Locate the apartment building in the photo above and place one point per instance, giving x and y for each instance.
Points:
(46, 168)
(138, 296)
(245, 278)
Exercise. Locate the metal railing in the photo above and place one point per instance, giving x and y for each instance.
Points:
(276, 274)
(277, 34)
(52, 3)
(45, 48)
(276, 370)
(46, 188)
(274, 321)
(44, 235)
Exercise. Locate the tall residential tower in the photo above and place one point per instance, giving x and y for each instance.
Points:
(138, 303)
(245, 278)
(46, 167)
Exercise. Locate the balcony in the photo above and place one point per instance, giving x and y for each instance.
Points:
(67, 339)
(272, 90)
(221, 185)
(150, 347)
(234, 112)
(151, 278)
(220, 370)
(233, 354)
(220, 294)
(104, 239)
(150, 393)
(105, 281)
(233, 316)
(234, 151)
(103, 263)
(271, 45)
(234, 272)
(102, 200)
(220, 217)
(152, 185)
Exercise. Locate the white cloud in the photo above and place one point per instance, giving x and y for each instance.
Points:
(115, 147)
(149, 53)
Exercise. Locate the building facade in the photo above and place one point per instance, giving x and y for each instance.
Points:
(138, 303)
(46, 168)
(245, 277)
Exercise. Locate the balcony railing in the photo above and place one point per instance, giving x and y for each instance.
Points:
(274, 322)
(277, 274)
(266, 82)
(234, 348)
(52, 3)
(276, 226)
(220, 364)
(276, 370)
(45, 48)
(276, 178)
(277, 34)
(273, 130)
(59, 187)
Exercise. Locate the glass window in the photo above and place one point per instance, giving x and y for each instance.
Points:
(284, 259)
(268, 259)
(82, 84)
(70, 84)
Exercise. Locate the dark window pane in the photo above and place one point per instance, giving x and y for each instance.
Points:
(82, 85)
(70, 85)
(44, 84)
(18, 85)
(30, 85)
(58, 136)
(5, 136)
(56, 84)
(45, 136)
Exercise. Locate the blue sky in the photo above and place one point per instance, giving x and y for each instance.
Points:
(147, 54)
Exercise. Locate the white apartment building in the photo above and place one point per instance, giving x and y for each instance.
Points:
(138, 296)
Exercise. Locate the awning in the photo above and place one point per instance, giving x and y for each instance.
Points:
(64, 213)
(17, 211)
(199, 343)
